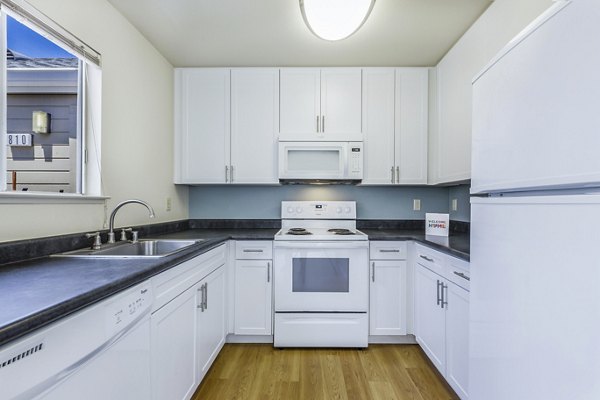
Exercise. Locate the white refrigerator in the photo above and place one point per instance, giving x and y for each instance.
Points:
(535, 215)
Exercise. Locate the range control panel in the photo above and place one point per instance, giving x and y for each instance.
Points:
(318, 209)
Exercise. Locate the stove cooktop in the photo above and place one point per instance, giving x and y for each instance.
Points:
(323, 234)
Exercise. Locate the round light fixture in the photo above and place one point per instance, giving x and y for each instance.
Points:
(335, 19)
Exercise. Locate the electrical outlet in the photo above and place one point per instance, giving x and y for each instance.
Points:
(454, 204)
(168, 204)
(416, 204)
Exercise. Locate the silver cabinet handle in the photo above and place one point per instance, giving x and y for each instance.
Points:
(393, 174)
(439, 297)
(323, 124)
(252, 251)
(444, 302)
(268, 272)
(231, 173)
(318, 124)
(389, 251)
(426, 258)
(206, 296)
(226, 173)
(397, 174)
(373, 273)
(201, 305)
(462, 275)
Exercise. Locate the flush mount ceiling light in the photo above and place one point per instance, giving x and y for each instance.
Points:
(335, 19)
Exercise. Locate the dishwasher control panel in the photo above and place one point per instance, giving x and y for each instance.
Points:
(126, 309)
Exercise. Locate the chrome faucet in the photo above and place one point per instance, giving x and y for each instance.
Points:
(111, 226)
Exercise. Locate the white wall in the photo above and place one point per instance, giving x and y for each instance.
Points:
(137, 129)
(452, 130)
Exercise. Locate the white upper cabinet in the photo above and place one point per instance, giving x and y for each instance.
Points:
(226, 125)
(320, 104)
(378, 121)
(412, 111)
(254, 125)
(202, 101)
(395, 120)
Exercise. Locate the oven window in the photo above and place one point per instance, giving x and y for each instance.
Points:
(321, 275)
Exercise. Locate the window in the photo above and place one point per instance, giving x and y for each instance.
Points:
(50, 107)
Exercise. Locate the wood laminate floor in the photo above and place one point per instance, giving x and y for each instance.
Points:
(260, 372)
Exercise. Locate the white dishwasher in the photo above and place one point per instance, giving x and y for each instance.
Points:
(100, 352)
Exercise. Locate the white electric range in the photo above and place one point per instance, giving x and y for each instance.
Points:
(321, 276)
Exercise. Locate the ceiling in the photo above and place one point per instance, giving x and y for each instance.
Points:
(245, 33)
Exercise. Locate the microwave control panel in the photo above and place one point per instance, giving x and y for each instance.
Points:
(355, 160)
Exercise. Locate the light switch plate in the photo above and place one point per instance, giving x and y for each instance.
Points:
(416, 204)
(454, 204)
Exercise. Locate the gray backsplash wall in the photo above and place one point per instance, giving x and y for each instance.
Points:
(461, 194)
(264, 202)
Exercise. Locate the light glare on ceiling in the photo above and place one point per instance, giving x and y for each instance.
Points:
(335, 19)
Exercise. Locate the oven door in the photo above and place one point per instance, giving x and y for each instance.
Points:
(321, 276)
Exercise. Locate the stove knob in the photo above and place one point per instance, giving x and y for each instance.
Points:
(290, 210)
(299, 210)
(338, 210)
(347, 209)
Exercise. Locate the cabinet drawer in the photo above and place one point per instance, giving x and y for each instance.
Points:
(175, 281)
(253, 250)
(387, 250)
(457, 271)
(431, 259)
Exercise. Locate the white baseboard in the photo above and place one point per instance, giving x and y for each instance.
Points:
(231, 338)
(396, 339)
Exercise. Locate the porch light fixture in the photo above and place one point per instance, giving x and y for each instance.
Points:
(335, 19)
(40, 122)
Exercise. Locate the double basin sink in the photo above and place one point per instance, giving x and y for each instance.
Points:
(145, 248)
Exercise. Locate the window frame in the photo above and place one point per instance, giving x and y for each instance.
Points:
(88, 174)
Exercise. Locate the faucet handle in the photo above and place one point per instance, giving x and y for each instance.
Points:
(124, 233)
(97, 240)
(134, 236)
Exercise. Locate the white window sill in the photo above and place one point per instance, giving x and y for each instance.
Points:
(49, 198)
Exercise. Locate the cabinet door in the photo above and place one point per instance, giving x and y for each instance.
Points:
(457, 339)
(341, 104)
(378, 123)
(211, 321)
(201, 125)
(300, 104)
(387, 306)
(173, 368)
(254, 125)
(412, 86)
(253, 294)
(430, 318)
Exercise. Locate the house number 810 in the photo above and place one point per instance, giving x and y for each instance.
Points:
(19, 139)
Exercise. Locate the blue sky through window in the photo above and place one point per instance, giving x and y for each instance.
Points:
(29, 43)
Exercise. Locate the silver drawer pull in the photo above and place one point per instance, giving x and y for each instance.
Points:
(253, 251)
(462, 275)
(426, 258)
(389, 251)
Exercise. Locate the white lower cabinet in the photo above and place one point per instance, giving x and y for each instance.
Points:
(174, 367)
(188, 327)
(430, 317)
(387, 296)
(253, 288)
(210, 322)
(442, 315)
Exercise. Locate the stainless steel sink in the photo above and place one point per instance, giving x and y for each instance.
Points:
(151, 248)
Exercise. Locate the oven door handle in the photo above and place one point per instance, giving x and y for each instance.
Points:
(321, 245)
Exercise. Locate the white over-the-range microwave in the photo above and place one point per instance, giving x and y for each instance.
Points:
(320, 161)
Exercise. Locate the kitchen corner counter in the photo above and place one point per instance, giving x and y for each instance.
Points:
(37, 292)
(456, 245)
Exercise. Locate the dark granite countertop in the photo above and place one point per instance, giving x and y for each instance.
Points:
(457, 244)
(39, 291)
